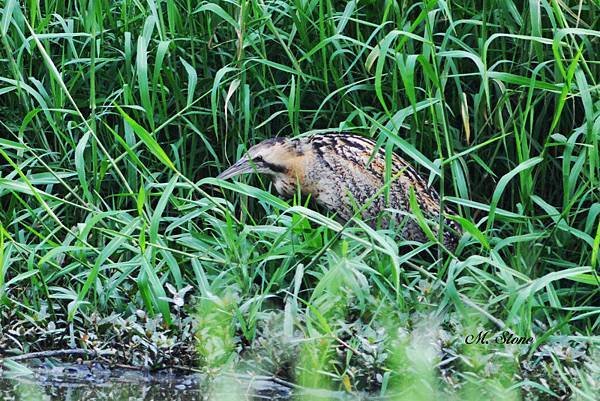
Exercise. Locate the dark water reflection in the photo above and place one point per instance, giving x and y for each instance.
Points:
(72, 382)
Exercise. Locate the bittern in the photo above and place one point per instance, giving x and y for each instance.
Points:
(345, 174)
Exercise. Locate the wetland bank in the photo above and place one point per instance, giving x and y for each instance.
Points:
(120, 252)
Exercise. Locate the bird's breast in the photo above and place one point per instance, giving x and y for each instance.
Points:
(284, 185)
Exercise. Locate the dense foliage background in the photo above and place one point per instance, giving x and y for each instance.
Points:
(115, 114)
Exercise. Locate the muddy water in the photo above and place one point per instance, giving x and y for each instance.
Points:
(72, 382)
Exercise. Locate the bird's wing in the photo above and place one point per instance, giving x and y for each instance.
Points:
(354, 154)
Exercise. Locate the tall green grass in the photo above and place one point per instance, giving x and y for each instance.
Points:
(114, 116)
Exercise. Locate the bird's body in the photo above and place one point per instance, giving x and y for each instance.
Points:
(343, 174)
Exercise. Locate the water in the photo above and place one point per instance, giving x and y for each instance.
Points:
(71, 382)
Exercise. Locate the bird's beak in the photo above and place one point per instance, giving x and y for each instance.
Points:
(242, 166)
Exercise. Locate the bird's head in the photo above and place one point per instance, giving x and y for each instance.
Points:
(275, 156)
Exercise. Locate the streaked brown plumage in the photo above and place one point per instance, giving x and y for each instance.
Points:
(337, 170)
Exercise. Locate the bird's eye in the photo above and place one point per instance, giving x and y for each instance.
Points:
(258, 159)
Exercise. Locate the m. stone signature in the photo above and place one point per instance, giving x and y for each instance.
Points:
(505, 337)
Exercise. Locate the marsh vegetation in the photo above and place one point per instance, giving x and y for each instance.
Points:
(114, 236)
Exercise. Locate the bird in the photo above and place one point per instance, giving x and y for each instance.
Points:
(345, 173)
